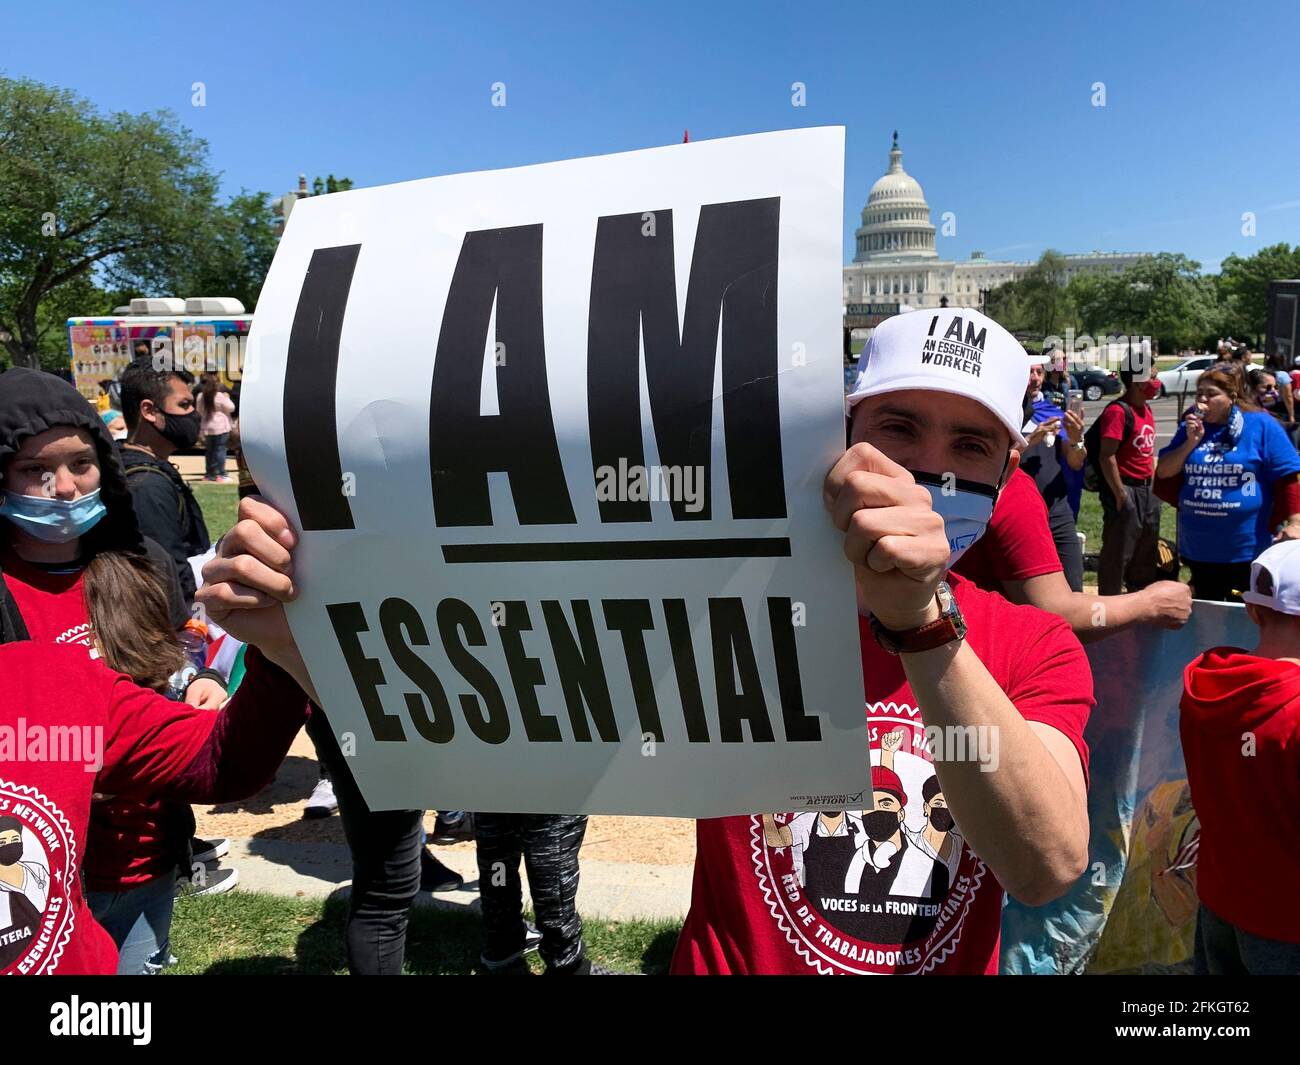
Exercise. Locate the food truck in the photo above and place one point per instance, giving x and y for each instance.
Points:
(197, 334)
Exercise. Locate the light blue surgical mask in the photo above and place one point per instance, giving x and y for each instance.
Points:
(53, 521)
(966, 507)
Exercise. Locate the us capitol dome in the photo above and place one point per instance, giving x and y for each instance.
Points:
(896, 264)
(896, 219)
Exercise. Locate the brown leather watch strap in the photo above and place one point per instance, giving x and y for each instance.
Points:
(926, 637)
(946, 628)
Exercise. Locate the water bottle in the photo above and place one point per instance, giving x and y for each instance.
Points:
(193, 639)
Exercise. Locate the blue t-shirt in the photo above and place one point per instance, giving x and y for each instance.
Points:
(1227, 496)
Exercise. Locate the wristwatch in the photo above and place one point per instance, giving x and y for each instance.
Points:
(948, 626)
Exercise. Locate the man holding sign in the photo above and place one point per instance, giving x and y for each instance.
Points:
(991, 698)
(564, 554)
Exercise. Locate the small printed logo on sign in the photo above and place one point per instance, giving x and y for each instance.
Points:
(825, 800)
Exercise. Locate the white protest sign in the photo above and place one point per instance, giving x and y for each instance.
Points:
(555, 439)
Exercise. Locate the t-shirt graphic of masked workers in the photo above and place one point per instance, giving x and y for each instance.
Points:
(24, 887)
(884, 882)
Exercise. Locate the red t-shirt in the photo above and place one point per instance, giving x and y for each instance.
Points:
(52, 605)
(1136, 455)
(61, 714)
(788, 893)
(1018, 542)
(133, 842)
(1248, 859)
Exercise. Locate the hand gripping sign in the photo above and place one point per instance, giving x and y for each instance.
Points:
(555, 439)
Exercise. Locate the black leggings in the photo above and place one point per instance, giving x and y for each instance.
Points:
(385, 848)
(549, 846)
(1218, 581)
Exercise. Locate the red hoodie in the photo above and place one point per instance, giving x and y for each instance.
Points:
(60, 714)
(1248, 863)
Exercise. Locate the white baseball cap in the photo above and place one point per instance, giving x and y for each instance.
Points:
(1275, 578)
(956, 350)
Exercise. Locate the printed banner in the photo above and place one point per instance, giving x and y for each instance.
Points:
(1135, 907)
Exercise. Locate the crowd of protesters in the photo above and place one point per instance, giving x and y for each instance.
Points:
(973, 604)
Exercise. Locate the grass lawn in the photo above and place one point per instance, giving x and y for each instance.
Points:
(251, 933)
(1089, 522)
(220, 502)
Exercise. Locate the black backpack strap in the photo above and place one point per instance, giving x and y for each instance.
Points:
(12, 627)
(146, 467)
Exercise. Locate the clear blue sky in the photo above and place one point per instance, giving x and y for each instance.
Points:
(992, 100)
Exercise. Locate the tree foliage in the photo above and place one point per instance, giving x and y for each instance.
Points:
(1164, 296)
(95, 207)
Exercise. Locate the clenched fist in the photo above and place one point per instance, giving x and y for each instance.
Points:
(247, 584)
(1169, 604)
(892, 535)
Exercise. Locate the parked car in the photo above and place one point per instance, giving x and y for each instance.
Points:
(1094, 382)
(1183, 377)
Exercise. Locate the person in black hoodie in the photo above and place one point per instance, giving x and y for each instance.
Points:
(32, 403)
(160, 416)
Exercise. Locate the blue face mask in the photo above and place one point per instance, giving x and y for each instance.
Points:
(53, 521)
(965, 506)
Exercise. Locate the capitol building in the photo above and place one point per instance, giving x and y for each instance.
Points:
(896, 264)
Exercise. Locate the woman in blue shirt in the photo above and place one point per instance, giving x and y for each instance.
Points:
(1238, 489)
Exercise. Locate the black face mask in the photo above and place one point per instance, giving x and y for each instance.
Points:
(880, 824)
(940, 818)
(11, 852)
(181, 430)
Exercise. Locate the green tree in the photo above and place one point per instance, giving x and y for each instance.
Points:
(1045, 299)
(321, 186)
(234, 252)
(1006, 305)
(1092, 297)
(84, 195)
(1243, 285)
(1163, 296)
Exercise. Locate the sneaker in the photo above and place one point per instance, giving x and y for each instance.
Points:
(518, 967)
(322, 802)
(453, 827)
(434, 876)
(586, 967)
(208, 850)
(207, 882)
(532, 940)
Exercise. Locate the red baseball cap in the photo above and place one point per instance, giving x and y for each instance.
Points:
(883, 779)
